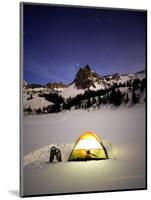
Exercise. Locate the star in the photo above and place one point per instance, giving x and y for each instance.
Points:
(77, 64)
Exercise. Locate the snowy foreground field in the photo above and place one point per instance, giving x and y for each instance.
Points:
(123, 127)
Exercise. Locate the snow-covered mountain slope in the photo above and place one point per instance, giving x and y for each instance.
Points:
(37, 89)
(56, 86)
(140, 75)
(116, 78)
(85, 80)
(71, 91)
(97, 86)
(127, 77)
(59, 89)
(37, 102)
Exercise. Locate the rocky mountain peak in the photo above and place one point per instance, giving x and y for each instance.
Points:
(87, 67)
(25, 83)
(85, 77)
(55, 85)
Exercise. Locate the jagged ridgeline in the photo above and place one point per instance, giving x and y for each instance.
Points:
(87, 91)
(85, 78)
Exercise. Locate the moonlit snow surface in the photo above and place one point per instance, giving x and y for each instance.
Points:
(123, 127)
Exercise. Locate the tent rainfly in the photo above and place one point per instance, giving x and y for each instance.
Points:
(88, 147)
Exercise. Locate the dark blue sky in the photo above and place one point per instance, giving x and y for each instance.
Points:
(59, 40)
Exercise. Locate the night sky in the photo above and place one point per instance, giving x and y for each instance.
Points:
(59, 40)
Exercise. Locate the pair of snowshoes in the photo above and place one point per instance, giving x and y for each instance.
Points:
(55, 154)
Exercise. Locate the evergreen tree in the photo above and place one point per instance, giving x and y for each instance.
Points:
(135, 84)
(108, 98)
(143, 84)
(39, 111)
(89, 103)
(135, 99)
(53, 97)
(126, 98)
(99, 100)
(104, 100)
(118, 97)
(31, 96)
(28, 109)
(93, 100)
(112, 96)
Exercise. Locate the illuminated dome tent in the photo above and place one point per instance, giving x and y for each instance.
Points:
(88, 147)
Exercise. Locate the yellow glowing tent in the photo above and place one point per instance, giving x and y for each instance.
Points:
(88, 147)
